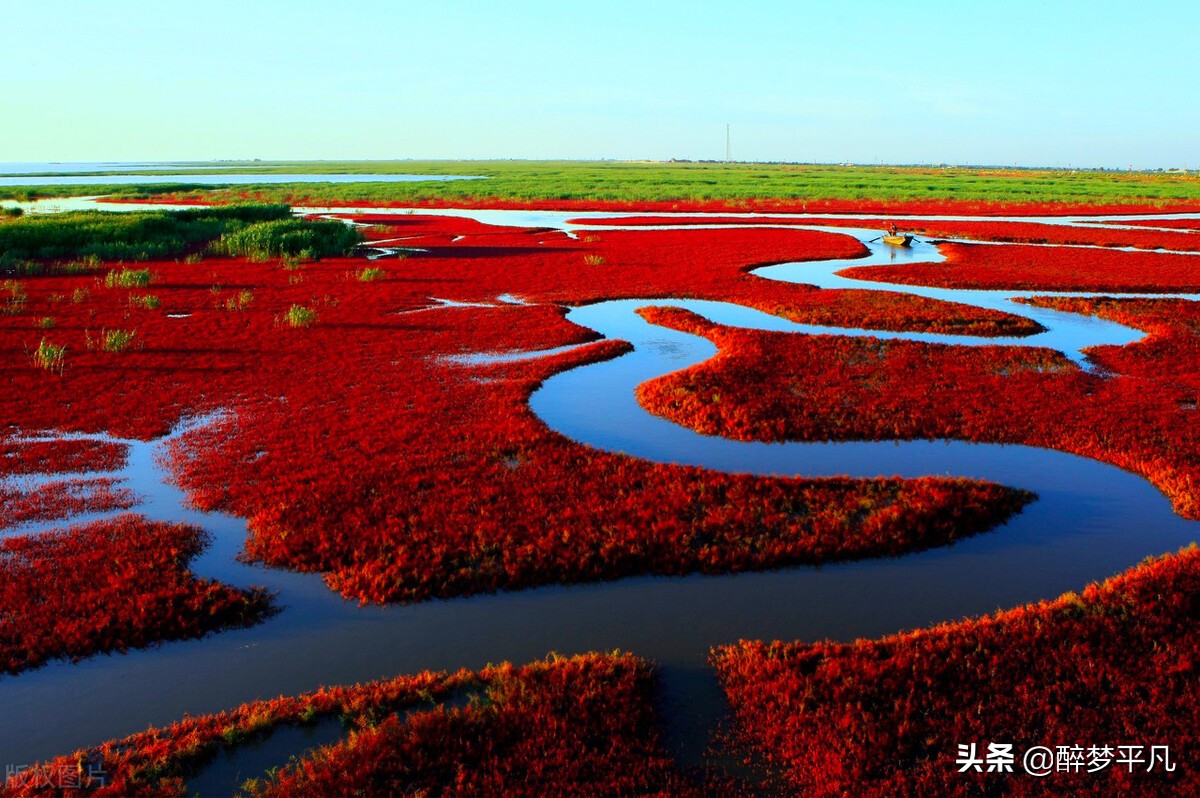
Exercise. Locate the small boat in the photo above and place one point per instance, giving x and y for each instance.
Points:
(898, 239)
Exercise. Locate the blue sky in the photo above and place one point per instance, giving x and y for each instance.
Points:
(1027, 83)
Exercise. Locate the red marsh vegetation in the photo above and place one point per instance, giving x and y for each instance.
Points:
(582, 725)
(1035, 268)
(109, 586)
(1176, 224)
(1001, 231)
(356, 449)
(20, 457)
(61, 499)
(1113, 665)
(847, 206)
(776, 386)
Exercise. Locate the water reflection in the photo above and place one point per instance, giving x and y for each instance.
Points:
(1091, 520)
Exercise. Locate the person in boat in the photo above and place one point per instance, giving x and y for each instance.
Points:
(892, 230)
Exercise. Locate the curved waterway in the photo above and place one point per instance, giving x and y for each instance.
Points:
(1091, 520)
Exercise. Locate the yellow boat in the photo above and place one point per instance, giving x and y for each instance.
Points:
(898, 239)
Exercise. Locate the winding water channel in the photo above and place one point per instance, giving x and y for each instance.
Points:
(1091, 520)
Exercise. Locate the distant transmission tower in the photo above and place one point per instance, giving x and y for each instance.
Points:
(728, 147)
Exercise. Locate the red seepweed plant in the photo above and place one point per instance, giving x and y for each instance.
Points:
(1023, 267)
(1114, 665)
(58, 598)
(777, 386)
(581, 725)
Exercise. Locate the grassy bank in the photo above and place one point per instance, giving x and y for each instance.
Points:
(605, 181)
(93, 236)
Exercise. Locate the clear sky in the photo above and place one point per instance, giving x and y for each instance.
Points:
(1028, 83)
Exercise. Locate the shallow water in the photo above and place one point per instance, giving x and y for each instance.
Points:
(1091, 520)
(230, 768)
(74, 167)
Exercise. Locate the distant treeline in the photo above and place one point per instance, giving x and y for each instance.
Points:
(248, 230)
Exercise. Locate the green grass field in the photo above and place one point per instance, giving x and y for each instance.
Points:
(646, 181)
(251, 231)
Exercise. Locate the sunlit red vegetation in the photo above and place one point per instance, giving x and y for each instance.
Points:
(357, 450)
(61, 499)
(158, 760)
(1047, 268)
(578, 726)
(759, 221)
(19, 456)
(1169, 354)
(109, 586)
(389, 225)
(481, 508)
(775, 386)
(1177, 224)
(685, 259)
(1115, 665)
(1036, 233)
(885, 310)
(855, 206)
(1013, 232)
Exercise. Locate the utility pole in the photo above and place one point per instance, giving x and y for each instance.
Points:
(728, 148)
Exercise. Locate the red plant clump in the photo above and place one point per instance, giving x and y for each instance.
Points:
(697, 263)
(357, 449)
(848, 206)
(776, 386)
(195, 325)
(1170, 352)
(481, 510)
(18, 457)
(1045, 268)
(583, 725)
(109, 586)
(1024, 232)
(156, 762)
(1036, 233)
(885, 310)
(546, 265)
(1177, 224)
(1005, 231)
(690, 221)
(1012, 232)
(61, 499)
(690, 249)
(578, 726)
(1115, 665)
(390, 225)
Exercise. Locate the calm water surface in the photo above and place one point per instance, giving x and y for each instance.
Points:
(1091, 520)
